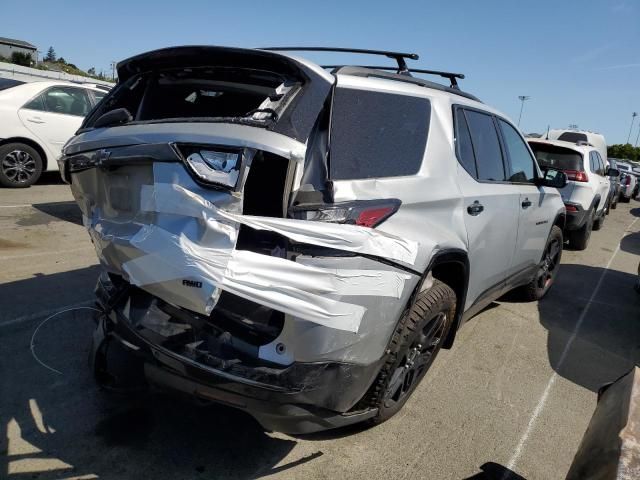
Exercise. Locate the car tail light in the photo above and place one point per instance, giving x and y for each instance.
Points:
(576, 175)
(366, 213)
(212, 165)
(570, 208)
(627, 180)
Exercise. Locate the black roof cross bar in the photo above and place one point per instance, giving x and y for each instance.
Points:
(397, 56)
(451, 76)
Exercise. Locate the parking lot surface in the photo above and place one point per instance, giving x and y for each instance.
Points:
(511, 399)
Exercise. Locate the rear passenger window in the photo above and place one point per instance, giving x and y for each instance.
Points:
(593, 163)
(600, 163)
(464, 147)
(486, 146)
(522, 167)
(376, 134)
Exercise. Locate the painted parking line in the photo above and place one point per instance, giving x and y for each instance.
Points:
(542, 401)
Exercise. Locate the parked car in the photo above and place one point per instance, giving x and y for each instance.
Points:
(587, 191)
(614, 191)
(36, 119)
(249, 264)
(575, 136)
(628, 182)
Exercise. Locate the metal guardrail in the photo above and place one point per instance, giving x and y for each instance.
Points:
(28, 74)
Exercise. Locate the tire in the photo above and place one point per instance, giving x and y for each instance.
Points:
(20, 165)
(548, 267)
(579, 239)
(407, 361)
(614, 202)
(625, 199)
(599, 222)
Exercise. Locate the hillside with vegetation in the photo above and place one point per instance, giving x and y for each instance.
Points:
(51, 62)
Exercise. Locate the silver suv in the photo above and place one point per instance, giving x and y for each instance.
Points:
(299, 241)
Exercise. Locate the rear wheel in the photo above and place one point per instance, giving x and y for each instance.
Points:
(20, 165)
(414, 345)
(579, 239)
(599, 222)
(614, 202)
(548, 267)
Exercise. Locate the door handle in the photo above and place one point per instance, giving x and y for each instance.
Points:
(476, 208)
(35, 120)
(526, 203)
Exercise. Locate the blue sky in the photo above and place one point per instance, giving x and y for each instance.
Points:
(579, 60)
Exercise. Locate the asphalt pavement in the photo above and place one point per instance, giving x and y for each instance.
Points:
(511, 399)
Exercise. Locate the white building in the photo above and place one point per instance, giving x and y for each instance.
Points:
(9, 45)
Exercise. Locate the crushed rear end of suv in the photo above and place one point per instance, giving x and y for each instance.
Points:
(273, 239)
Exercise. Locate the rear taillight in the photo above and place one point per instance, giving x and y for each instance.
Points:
(576, 175)
(627, 180)
(570, 208)
(365, 213)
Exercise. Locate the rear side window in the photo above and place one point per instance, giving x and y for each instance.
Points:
(522, 167)
(573, 137)
(486, 146)
(464, 146)
(63, 100)
(376, 134)
(593, 163)
(599, 162)
(557, 157)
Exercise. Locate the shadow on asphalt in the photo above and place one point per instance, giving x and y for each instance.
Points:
(495, 471)
(50, 178)
(596, 347)
(47, 212)
(63, 424)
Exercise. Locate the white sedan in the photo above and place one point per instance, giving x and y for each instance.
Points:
(36, 120)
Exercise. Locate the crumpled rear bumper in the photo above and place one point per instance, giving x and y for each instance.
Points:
(299, 398)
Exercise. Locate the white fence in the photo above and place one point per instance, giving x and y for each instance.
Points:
(27, 74)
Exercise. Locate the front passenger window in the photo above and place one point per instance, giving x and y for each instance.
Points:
(522, 167)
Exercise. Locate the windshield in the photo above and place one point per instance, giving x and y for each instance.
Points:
(573, 137)
(557, 157)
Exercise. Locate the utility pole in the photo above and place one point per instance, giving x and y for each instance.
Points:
(637, 136)
(633, 119)
(113, 70)
(523, 98)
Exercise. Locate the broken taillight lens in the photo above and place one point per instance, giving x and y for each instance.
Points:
(365, 213)
(576, 175)
(212, 165)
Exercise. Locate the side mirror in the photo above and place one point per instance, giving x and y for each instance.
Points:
(552, 177)
(613, 172)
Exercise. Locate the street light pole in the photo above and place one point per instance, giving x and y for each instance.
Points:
(637, 136)
(523, 98)
(633, 119)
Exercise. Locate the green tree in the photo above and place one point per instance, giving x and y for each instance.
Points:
(624, 151)
(50, 56)
(24, 59)
(91, 71)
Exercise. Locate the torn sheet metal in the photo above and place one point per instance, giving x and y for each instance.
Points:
(175, 199)
(176, 240)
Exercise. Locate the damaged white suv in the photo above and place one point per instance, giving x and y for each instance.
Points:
(299, 241)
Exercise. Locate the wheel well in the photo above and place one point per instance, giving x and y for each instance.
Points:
(453, 270)
(560, 221)
(32, 144)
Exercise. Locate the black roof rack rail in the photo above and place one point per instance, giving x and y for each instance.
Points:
(397, 56)
(451, 76)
